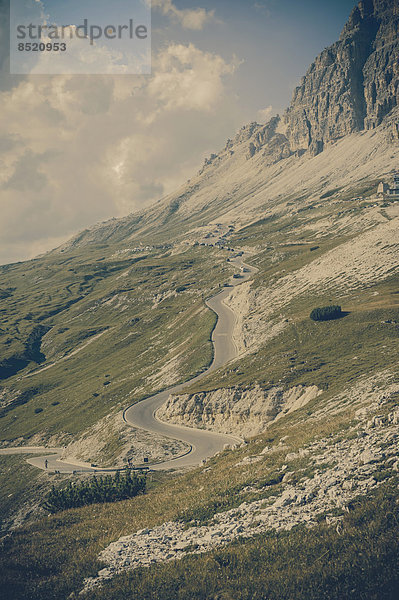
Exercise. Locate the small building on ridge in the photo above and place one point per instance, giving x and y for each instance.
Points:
(386, 192)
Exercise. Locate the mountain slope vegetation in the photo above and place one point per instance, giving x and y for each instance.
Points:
(307, 505)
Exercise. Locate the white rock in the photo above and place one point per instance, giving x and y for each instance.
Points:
(368, 456)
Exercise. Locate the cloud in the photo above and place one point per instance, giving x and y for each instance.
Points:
(265, 114)
(93, 58)
(189, 79)
(194, 18)
(78, 149)
(27, 176)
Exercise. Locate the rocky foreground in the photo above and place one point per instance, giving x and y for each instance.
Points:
(338, 469)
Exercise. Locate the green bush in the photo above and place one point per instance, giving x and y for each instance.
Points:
(96, 490)
(326, 313)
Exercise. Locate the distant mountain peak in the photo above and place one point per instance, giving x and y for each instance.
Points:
(353, 84)
(352, 87)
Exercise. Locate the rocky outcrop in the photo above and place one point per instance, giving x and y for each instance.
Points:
(232, 410)
(353, 84)
(342, 469)
(352, 87)
(266, 138)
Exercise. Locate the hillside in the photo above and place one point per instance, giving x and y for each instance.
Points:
(345, 109)
(307, 505)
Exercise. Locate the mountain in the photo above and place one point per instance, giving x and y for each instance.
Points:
(306, 507)
(352, 85)
(345, 106)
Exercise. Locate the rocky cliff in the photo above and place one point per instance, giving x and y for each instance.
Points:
(232, 410)
(347, 99)
(350, 87)
(353, 84)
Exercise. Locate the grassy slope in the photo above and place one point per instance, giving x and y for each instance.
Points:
(329, 354)
(359, 564)
(136, 339)
(118, 338)
(275, 566)
(22, 489)
(50, 559)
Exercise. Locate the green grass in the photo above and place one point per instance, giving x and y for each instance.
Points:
(331, 355)
(49, 561)
(96, 291)
(22, 485)
(134, 339)
(361, 563)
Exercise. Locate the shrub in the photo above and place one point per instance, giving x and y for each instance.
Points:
(326, 313)
(38, 410)
(96, 490)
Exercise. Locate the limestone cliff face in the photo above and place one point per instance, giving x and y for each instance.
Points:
(236, 411)
(353, 84)
(351, 87)
(381, 70)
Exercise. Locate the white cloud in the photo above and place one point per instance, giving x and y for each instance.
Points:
(93, 58)
(75, 150)
(194, 18)
(189, 79)
(265, 114)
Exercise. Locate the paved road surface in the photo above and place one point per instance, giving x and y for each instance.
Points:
(52, 455)
(203, 444)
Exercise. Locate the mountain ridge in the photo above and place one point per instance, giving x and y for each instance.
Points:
(351, 85)
(350, 89)
(307, 507)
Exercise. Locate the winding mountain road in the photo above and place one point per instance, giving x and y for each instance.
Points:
(202, 444)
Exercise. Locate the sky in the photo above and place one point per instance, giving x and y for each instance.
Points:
(78, 149)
